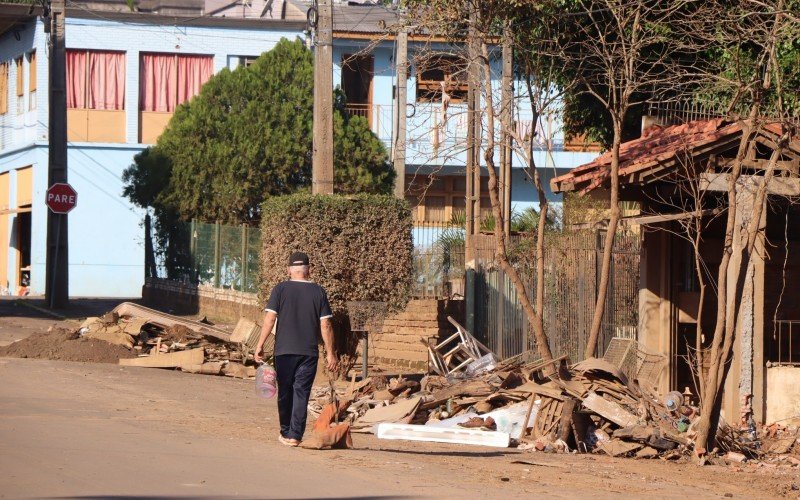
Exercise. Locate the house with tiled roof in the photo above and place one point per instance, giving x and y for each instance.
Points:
(678, 175)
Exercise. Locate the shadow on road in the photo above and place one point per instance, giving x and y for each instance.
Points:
(36, 307)
(464, 454)
(137, 497)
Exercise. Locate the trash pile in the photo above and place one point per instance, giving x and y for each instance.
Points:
(165, 341)
(588, 407)
(767, 446)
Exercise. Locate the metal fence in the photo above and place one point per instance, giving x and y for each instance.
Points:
(572, 273)
(784, 349)
(228, 257)
(218, 255)
(438, 260)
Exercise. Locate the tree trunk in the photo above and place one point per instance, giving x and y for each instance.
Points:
(149, 250)
(711, 402)
(542, 344)
(613, 222)
(738, 257)
(540, 227)
(544, 207)
(698, 344)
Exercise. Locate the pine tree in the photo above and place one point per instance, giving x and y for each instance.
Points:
(247, 136)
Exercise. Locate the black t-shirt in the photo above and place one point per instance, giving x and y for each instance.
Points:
(300, 305)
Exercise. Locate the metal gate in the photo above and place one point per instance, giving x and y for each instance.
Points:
(572, 272)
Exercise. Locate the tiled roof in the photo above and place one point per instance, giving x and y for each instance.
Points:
(650, 156)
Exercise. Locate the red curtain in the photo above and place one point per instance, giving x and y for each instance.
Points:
(193, 72)
(157, 83)
(76, 78)
(167, 80)
(107, 80)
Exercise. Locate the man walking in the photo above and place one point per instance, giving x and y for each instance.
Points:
(303, 314)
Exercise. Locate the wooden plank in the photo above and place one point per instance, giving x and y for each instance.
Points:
(565, 422)
(616, 447)
(785, 165)
(469, 388)
(170, 360)
(609, 410)
(244, 328)
(534, 388)
(528, 417)
(656, 218)
(163, 320)
(780, 186)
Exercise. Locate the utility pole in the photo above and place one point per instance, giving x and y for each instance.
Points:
(477, 131)
(57, 270)
(473, 168)
(506, 117)
(399, 157)
(322, 158)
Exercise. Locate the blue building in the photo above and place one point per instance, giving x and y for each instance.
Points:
(128, 70)
(126, 73)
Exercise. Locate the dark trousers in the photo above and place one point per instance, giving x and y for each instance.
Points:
(295, 377)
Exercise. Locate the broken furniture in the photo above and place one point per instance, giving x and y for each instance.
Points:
(164, 320)
(635, 361)
(167, 341)
(456, 352)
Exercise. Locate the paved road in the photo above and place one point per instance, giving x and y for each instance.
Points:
(101, 430)
(72, 429)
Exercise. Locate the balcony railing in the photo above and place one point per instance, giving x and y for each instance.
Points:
(364, 110)
(785, 346)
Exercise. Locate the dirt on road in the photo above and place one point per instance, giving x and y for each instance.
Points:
(104, 427)
(65, 344)
(28, 331)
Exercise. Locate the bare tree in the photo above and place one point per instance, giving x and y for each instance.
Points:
(745, 79)
(482, 24)
(622, 54)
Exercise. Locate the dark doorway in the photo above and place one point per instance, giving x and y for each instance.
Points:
(24, 248)
(357, 73)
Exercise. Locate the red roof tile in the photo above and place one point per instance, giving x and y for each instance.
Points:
(657, 146)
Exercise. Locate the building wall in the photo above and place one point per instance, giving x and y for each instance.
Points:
(106, 254)
(16, 128)
(134, 39)
(783, 394)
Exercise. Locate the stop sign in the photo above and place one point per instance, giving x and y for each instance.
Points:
(61, 198)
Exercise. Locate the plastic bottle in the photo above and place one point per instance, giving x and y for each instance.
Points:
(265, 381)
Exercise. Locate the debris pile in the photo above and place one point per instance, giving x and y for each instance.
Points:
(588, 407)
(165, 341)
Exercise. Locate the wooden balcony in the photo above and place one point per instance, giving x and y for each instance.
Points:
(360, 109)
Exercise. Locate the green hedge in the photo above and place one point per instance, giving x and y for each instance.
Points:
(359, 246)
